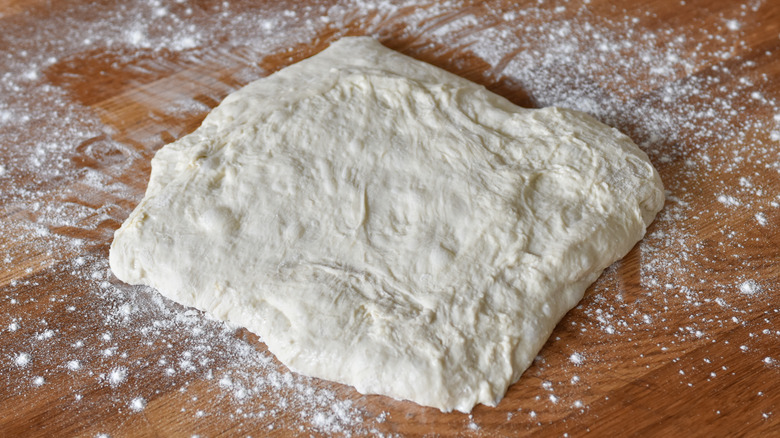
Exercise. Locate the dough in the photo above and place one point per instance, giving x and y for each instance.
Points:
(386, 224)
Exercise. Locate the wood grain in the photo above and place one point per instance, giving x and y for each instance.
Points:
(696, 366)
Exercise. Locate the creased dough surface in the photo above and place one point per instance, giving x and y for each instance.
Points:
(386, 224)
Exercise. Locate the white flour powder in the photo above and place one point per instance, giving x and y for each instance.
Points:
(681, 92)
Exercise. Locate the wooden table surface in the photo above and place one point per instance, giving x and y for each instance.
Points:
(679, 338)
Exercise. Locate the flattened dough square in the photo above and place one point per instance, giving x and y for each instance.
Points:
(383, 223)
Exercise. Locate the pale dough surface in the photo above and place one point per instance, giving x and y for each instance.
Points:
(385, 224)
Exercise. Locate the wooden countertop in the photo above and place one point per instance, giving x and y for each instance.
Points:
(679, 338)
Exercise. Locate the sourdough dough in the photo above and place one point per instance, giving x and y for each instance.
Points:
(386, 224)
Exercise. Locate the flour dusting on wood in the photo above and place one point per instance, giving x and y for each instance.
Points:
(70, 172)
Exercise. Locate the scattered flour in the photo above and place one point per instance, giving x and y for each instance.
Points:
(680, 92)
(138, 404)
(728, 200)
(749, 287)
(117, 376)
(733, 25)
(22, 359)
